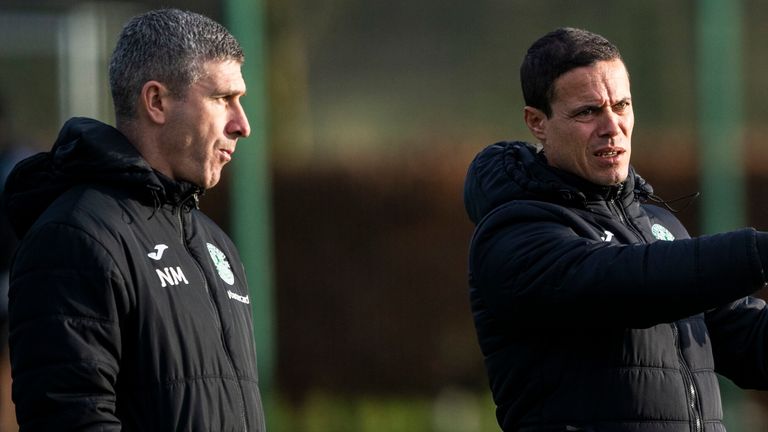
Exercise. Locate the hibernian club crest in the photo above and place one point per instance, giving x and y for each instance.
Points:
(661, 233)
(222, 265)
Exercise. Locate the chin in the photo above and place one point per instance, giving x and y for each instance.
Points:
(212, 182)
(612, 180)
(618, 176)
(619, 180)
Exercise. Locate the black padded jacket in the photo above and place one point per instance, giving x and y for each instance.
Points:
(129, 308)
(595, 311)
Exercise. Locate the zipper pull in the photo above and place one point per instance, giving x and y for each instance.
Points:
(619, 210)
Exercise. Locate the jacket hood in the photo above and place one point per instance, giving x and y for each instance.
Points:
(509, 171)
(86, 151)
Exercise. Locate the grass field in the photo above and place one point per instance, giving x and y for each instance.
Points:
(450, 411)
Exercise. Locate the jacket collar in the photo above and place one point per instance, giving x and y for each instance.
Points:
(86, 151)
(509, 171)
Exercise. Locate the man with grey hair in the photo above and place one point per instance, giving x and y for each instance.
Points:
(129, 308)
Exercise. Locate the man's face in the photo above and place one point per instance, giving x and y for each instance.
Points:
(204, 125)
(590, 130)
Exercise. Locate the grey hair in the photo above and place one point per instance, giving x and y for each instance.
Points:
(167, 45)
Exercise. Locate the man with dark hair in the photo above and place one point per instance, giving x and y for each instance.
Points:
(129, 308)
(594, 310)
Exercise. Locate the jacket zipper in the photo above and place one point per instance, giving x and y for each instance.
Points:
(691, 392)
(217, 315)
(619, 210)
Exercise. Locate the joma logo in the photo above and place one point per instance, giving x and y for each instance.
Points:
(171, 276)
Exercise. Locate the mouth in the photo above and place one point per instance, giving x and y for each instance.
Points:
(226, 154)
(612, 153)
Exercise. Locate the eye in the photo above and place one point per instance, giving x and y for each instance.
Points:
(223, 98)
(621, 106)
(586, 112)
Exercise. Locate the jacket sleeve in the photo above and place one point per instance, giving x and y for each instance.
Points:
(537, 266)
(739, 335)
(64, 332)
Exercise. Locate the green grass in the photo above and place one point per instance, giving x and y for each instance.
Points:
(450, 411)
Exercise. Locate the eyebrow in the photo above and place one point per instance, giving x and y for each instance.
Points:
(582, 107)
(228, 92)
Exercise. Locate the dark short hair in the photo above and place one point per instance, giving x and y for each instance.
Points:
(556, 53)
(167, 45)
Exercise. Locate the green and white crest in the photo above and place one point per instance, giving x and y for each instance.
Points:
(222, 265)
(661, 233)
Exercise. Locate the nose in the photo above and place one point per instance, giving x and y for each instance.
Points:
(238, 125)
(610, 124)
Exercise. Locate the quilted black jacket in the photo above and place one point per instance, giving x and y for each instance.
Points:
(596, 312)
(129, 308)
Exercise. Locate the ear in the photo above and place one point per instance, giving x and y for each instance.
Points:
(154, 101)
(536, 121)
